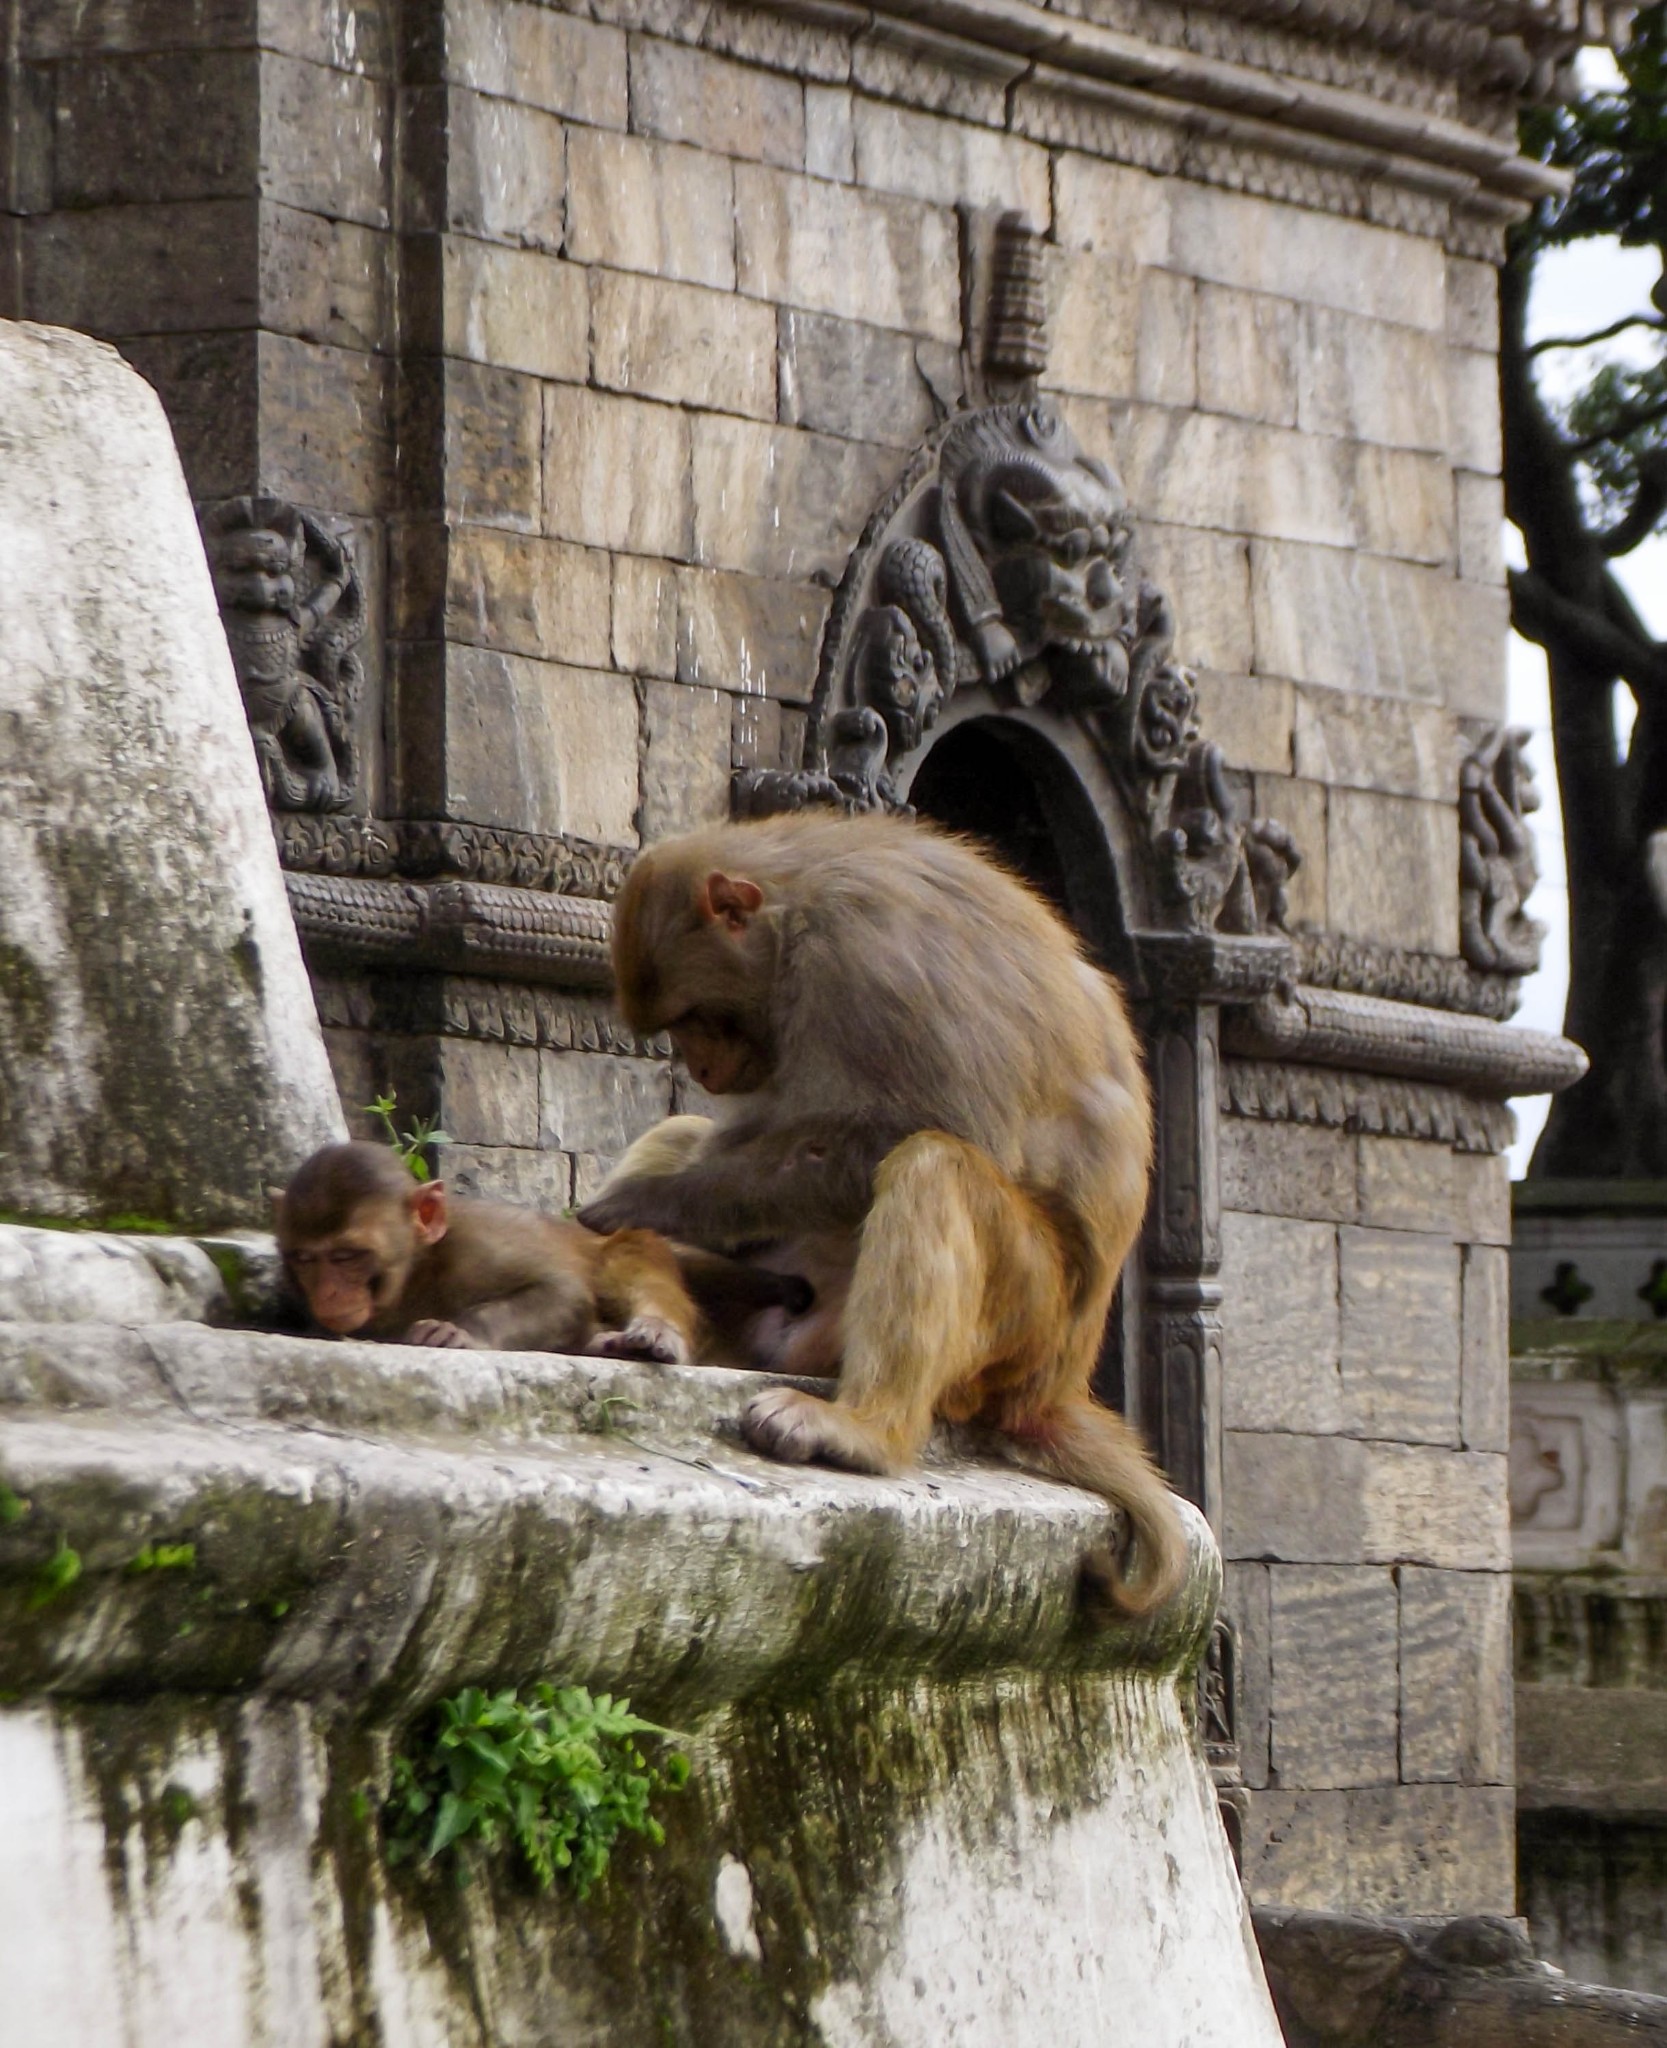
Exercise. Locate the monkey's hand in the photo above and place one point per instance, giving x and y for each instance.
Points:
(756, 1183)
(801, 1428)
(645, 1337)
(439, 1335)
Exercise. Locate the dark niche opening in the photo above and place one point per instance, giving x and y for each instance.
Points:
(1008, 787)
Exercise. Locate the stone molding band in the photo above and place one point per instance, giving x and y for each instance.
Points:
(1439, 981)
(1272, 1091)
(1328, 1028)
(434, 849)
(1297, 116)
(471, 928)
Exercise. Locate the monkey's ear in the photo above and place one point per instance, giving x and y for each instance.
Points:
(730, 897)
(427, 1204)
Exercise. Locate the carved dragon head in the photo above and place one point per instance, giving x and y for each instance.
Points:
(1053, 529)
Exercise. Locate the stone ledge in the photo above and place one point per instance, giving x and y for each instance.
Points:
(1296, 116)
(1372, 1034)
(377, 1516)
(462, 927)
(1344, 1981)
(930, 1800)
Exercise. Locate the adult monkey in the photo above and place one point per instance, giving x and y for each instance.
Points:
(938, 1093)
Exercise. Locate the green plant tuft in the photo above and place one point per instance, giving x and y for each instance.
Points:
(13, 1507)
(164, 1557)
(177, 1806)
(411, 1144)
(56, 1576)
(557, 1774)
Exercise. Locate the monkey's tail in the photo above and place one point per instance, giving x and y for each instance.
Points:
(1092, 1446)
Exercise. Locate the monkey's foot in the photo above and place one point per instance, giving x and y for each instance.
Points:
(799, 1429)
(647, 1338)
(444, 1336)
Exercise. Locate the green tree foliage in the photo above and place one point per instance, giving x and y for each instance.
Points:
(1586, 481)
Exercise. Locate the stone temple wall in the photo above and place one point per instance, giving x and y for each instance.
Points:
(600, 335)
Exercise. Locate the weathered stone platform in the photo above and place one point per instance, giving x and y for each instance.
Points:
(931, 1801)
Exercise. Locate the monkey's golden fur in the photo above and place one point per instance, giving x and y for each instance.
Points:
(951, 1098)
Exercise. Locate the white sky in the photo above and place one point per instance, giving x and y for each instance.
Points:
(1576, 291)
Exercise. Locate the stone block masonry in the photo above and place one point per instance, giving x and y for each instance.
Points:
(608, 328)
(1366, 1532)
(682, 289)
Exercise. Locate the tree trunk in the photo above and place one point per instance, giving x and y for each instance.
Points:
(1613, 1123)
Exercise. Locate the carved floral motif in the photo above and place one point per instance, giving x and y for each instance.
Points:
(293, 606)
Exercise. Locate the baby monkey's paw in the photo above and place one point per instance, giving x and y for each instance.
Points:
(645, 1337)
(439, 1335)
(798, 1428)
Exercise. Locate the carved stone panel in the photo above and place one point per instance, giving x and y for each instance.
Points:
(293, 605)
(1565, 1474)
(1497, 863)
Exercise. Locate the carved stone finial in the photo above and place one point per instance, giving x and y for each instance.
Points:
(293, 606)
(1018, 330)
(1497, 863)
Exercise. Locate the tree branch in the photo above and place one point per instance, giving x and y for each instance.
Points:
(1544, 615)
(1538, 348)
(1649, 501)
(1623, 424)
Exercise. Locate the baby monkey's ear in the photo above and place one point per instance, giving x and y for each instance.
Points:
(427, 1205)
(731, 899)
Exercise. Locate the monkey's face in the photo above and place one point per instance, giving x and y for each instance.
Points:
(356, 1273)
(719, 1058)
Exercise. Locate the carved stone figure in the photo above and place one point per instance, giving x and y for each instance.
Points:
(908, 659)
(1036, 537)
(1497, 864)
(293, 606)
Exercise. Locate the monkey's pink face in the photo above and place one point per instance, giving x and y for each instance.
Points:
(341, 1280)
(718, 1058)
(356, 1272)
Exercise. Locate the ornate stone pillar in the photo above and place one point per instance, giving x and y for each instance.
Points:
(1174, 1386)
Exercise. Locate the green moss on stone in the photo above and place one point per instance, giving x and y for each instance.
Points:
(121, 1225)
(26, 997)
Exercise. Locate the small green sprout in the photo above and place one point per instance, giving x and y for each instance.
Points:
(409, 1144)
(13, 1507)
(558, 1774)
(177, 1806)
(56, 1576)
(164, 1557)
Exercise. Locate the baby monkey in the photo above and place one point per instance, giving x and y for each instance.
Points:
(377, 1254)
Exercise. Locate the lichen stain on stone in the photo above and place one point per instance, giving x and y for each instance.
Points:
(26, 1003)
(211, 1630)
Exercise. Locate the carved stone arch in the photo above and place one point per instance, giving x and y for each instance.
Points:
(1011, 776)
(1005, 562)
